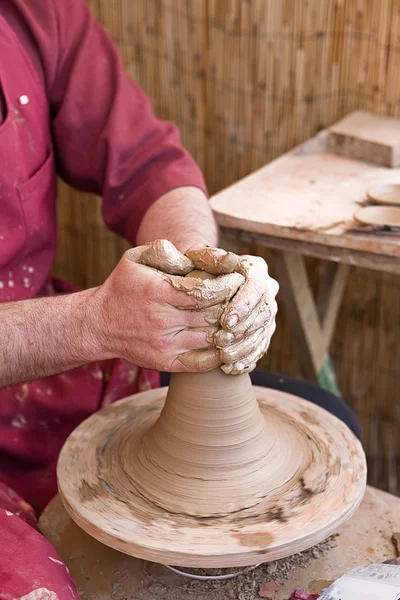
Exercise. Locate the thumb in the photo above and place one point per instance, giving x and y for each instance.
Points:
(213, 260)
(162, 255)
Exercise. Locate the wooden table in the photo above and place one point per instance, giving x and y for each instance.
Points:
(104, 574)
(302, 204)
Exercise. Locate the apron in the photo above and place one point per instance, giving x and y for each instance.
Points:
(37, 417)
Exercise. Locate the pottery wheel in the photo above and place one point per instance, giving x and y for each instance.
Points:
(221, 474)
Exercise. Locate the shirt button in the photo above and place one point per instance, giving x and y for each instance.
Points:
(23, 100)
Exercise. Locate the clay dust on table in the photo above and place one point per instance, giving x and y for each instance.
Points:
(161, 584)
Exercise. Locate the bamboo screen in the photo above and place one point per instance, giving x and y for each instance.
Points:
(246, 80)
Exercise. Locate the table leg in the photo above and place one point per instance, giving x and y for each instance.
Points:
(313, 333)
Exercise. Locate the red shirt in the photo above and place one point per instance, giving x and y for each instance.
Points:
(68, 107)
(105, 135)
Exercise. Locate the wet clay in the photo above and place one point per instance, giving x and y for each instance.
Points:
(211, 453)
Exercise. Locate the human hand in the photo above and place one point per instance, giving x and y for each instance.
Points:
(248, 320)
(153, 316)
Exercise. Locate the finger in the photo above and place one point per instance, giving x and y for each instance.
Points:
(249, 362)
(223, 339)
(250, 266)
(245, 365)
(238, 368)
(200, 338)
(199, 361)
(245, 347)
(255, 272)
(198, 293)
(264, 319)
(213, 260)
(135, 254)
(162, 255)
(199, 318)
(260, 317)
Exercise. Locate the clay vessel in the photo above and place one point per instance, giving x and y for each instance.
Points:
(209, 451)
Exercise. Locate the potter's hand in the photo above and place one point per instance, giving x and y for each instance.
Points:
(151, 317)
(248, 321)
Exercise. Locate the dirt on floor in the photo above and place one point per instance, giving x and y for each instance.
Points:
(161, 584)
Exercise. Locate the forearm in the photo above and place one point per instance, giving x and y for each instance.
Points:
(183, 216)
(44, 336)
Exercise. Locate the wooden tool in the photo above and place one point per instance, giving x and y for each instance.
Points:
(223, 474)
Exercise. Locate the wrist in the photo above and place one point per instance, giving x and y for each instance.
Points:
(183, 216)
(87, 311)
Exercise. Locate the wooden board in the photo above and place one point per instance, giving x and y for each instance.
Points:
(124, 519)
(366, 136)
(105, 574)
(307, 196)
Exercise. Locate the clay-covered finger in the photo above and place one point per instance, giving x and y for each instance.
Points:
(194, 338)
(264, 319)
(213, 260)
(260, 317)
(162, 255)
(135, 254)
(200, 361)
(244, 347)
(202, 317)
(223, 339)
(199, 293)
(249, 362)
(258, 284)
(246, 364)
(238, 368)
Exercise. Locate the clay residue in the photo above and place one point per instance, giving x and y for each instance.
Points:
(201, 360)
(319, 585)
(396, 542)
(309, 417)
(255, 539)
(214, 260)
(208, 292)
(162, 255)
(88, 492)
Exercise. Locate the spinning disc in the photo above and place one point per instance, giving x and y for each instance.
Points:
(308, 476)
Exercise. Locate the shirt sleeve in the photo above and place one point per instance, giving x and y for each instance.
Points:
(107, 139)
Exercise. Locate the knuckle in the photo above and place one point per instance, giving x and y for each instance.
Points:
(257, 261)
(274, 287)
(222, 338)
(162, 344)
(132, 255)
(157, 322)
(225, 356)
(129, 254)
(272, 310)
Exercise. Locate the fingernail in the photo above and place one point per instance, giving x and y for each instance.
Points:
(232, 321)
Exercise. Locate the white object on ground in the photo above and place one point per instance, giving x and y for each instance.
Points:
(371, 582)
